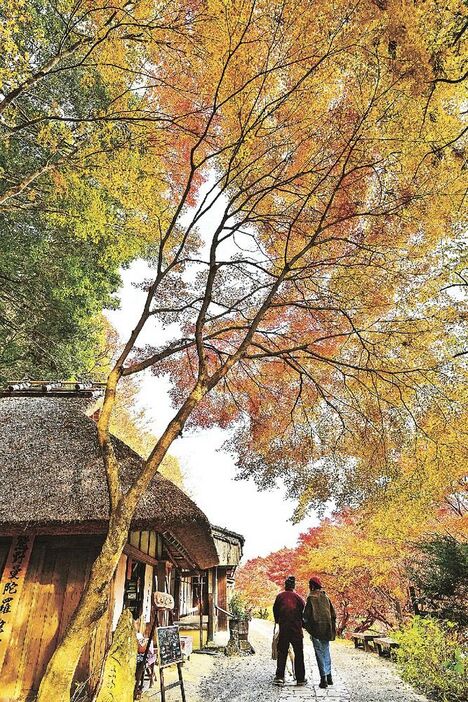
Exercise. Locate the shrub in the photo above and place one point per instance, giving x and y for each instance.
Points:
(432, 658)
(263, 613)
(238, 607)
(439, 571)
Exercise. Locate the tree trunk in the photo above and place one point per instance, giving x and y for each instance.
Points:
(56, 683)
(58, 677)
(343, 622)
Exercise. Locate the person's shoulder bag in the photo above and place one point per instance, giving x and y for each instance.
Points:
(274, 643)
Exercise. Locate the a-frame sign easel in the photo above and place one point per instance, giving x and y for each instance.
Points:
(167, 648)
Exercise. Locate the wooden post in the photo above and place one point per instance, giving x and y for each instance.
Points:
(181, 681)
(200, 609)
(161, 572)
(162, 685)
(222, 599)
(176, 612)
(211, 605)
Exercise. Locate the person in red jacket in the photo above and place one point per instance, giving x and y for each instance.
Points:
(287, 610)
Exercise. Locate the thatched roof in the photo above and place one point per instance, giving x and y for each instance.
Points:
(51, 475)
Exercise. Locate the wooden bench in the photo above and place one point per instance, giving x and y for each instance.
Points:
(363, 640)
(385, 645)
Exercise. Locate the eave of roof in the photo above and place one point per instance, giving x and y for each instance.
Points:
(227, 534)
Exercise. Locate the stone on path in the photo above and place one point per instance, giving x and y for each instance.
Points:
(337, 692)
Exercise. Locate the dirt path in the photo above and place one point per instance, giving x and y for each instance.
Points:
(358, 676)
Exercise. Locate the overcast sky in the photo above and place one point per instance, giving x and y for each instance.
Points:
(262, 517)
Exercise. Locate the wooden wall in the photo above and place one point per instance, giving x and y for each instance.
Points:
(229, 551)
(222, 599)
(57, 573)
(148, 542)
(4, 548)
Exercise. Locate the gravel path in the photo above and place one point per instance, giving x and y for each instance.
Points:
(358, 676)
(250, 679)
(370, 678)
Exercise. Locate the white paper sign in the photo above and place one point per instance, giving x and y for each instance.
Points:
(147, 593)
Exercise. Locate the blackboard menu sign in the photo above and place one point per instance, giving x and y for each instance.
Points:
(168, 645)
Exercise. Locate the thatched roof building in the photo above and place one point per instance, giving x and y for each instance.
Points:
(54, 511)
(51, 474)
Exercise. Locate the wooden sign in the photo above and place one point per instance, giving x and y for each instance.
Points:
(163, 600)
(169, 653)
(11, 587)
(168, 645)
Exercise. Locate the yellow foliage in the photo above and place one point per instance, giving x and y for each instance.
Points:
(130, 425)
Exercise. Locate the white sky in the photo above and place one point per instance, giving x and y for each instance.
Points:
(262, 517)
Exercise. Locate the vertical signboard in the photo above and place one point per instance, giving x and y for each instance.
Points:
(11, 586)
(148, 589)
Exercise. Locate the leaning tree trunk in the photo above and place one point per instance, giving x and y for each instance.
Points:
(57, 680)
(58, 677)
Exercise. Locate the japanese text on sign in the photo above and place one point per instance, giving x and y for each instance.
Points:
(11, 586)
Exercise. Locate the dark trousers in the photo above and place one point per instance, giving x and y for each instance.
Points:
(297, 642)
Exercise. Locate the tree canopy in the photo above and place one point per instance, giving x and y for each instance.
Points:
(81, 180)
(315, 271)
(295, 174)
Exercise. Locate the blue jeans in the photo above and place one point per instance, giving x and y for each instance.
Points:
(322, 654)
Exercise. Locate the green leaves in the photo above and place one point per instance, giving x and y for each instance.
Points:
(73, 205)
(431, 657)
(53, 290)
(439, 569)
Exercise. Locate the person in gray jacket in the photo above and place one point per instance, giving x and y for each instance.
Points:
(319, 620)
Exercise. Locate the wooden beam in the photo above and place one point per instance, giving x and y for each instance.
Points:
(172, 558)
(138, 555)
(211, 604)
(222, 599)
